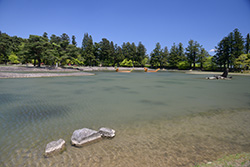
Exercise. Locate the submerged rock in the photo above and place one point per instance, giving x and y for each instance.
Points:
(83, 136)
(107, 132)
(55, 147)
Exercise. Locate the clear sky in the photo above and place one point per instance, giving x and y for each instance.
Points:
(148, 21)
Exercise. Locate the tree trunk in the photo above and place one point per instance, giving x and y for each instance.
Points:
(39, 62)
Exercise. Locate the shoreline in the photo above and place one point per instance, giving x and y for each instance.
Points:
(40, 75)
(13, 71)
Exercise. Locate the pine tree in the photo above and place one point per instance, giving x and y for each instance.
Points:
(133, 53)
(45, 35)
(112, 54)
(88, 49)
(141, 54)
(36, 48)
(173, 56)
(74, 40)
(181, 54)
(192, 51)
(105, 52)
(5, 47)
(155, 56)
(164, 57)
(247, 45)
(202, 56)
(119, 57)
(238, 44)
(65, 40)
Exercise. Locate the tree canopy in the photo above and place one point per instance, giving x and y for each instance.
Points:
(63, 50)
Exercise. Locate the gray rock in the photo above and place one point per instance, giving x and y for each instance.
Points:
(107, 132)
(83, 136)
(211, 78)
(55, 147)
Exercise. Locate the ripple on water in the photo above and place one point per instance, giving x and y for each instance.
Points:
(180, 142)
(148, 133)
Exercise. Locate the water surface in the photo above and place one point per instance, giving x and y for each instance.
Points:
(161, 119)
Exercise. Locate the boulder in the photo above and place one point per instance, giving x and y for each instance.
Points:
(107, 132)
(211, 78)
(55, 147)
(83, 136)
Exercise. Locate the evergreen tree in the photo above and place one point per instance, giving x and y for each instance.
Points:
(133, 53)
(229, 49)
(202, 56)
(173, 57)
(97, 53)
(5, 47)
(164, 57)
(119, 57)
(45, 35)
(192, 51)
(247, 45)
(112, 54)
(105, 52)
(181, 54)
(238, 44)
(55, 39)
(74, 40)
(36, 48)
(88, 50)
(155, 56)
(65, 40)
(141, 54)
(126, 50)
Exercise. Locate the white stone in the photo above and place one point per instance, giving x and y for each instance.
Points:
(83, 136)
(107, 132)
(55, 147)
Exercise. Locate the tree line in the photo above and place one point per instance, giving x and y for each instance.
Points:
(232, 52)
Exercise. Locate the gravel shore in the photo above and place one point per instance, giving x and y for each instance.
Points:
(37, 75)
(33, 72)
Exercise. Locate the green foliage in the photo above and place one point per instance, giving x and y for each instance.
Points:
(126, 63)
(202, 56)
(192, 52)
(13, 59)
(5, 47)
(183, 65)
(58, 49)
(209, 64)
(155, 60)
(243, 61)
(144, 61)
(229, 49)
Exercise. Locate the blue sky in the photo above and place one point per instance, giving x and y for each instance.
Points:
(148, 21)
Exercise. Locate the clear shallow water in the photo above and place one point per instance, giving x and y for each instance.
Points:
(161, 118)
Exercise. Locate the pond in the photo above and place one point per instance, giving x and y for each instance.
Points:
(161, 119)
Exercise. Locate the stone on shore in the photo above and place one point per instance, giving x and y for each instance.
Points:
(107, 132)
(55, 147)
(84, 136)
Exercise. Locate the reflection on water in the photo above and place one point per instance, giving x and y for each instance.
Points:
(161, 119)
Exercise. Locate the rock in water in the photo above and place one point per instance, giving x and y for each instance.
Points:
(107, 132)
(83, 136)
(55, 147)
(211, 78)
